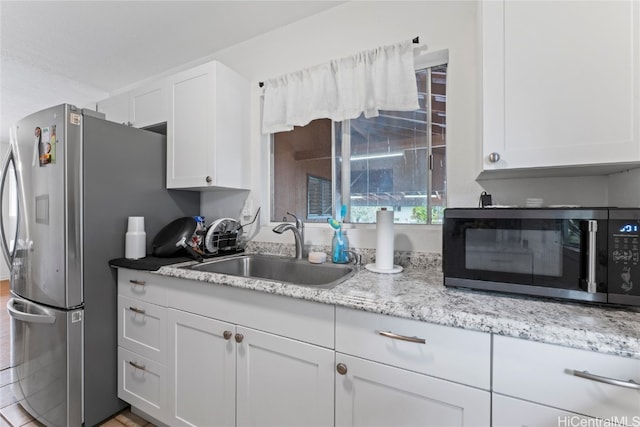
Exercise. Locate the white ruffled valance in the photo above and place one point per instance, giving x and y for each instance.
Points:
(380, 79)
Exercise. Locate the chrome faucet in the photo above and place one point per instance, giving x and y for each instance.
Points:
(298, 233)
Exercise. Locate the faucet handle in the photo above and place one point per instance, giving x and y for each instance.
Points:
(356, 257)
(299, 223)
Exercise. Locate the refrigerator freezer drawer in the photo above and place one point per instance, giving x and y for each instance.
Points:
(47, 356)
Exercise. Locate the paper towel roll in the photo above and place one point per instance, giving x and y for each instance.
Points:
(384, 239)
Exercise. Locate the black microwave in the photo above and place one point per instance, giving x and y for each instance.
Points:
(582, 254)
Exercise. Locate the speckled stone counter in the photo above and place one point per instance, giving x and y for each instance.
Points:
(418, 293)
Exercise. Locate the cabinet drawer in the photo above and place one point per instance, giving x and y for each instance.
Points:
(543, 373)
(142, 328)
(510, 412)
(306, 321)
(142, 383)
(142, 285)
(450, 353)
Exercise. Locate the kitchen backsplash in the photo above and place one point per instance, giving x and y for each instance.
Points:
(430, 260)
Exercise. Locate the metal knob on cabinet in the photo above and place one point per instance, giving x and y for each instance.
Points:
(341, 368)
(209, 180)
(494, 157)
(227, 335)
(239, 338)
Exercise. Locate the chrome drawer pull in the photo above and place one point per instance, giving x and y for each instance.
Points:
(135, 365)
(612, 381)
(402, 337)
(137, 310)
(138, 282)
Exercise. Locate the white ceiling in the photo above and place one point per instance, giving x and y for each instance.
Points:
(79, 52)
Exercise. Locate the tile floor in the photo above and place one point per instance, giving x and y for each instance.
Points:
(11, 413)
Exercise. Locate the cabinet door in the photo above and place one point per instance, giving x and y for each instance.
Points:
(207, 131)
(510, 412)
(149, 104)
(190, 129)
(561, 81)
(371, 393)
(202, 371)
(116, 108)
(283, 382)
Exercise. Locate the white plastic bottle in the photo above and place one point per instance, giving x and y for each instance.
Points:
(135, 238)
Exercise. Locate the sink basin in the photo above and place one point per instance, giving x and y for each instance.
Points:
(287, 270)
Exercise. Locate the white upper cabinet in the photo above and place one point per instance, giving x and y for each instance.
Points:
(560, 83)
(149, 104)
(144, 106)
(116, 108)
(208, 128)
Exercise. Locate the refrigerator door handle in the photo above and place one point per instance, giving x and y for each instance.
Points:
(41, 315)
(5, 171)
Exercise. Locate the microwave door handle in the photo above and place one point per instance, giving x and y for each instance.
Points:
(592, 231)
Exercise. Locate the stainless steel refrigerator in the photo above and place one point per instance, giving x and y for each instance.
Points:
(71, 180)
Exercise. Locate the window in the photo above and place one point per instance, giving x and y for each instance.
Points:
(396, 160)
(319, 198)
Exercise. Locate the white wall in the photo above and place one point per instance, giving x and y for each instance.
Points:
(356, 26)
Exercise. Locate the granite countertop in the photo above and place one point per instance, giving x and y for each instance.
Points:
(418, 293)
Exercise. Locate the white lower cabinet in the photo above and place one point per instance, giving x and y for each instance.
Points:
(509, 412)
(202, 366)
(224, 375)
(374, 394)
(283, 382)
(142, 342)
(404, 372)
(199, 354)
(591, 384)
(142, 382)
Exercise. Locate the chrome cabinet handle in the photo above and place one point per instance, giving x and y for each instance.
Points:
(209, 180)
(341, 368)
(611, 381)
(138, 282)
(227, 335)
(135, 365)
(239, 338)
(402, 337)
(494, 157)
(137, 310)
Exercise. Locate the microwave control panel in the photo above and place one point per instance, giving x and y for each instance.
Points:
(624, 256)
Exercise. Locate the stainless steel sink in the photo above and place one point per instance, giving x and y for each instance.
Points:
(280, 269)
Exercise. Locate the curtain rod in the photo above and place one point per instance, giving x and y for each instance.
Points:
(415, 40)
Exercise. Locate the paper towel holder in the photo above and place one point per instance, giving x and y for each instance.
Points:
(384, 244)
(395, 269)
